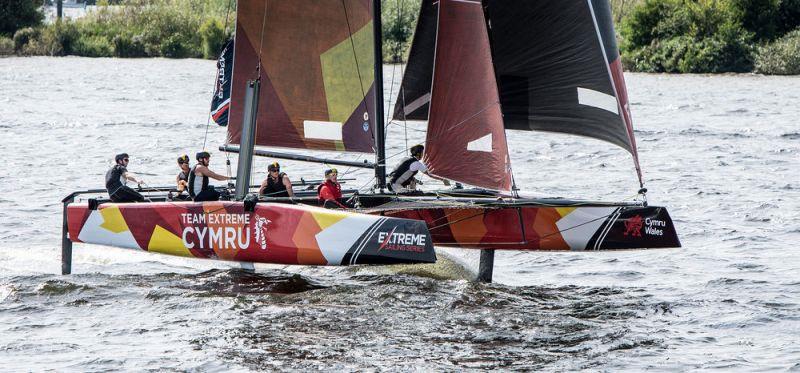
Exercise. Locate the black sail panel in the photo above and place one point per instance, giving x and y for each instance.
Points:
(221, 102)
(414, 99)
(552, 60)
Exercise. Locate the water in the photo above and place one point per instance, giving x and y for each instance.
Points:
(723, 152)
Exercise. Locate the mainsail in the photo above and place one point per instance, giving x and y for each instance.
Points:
(315, 61)
(465, 125)
(557, 67)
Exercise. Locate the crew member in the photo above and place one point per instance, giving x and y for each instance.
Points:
(199, 188)
(403, 176)
(182, 179)
(117, 177)
(277, 183)
(330, 191)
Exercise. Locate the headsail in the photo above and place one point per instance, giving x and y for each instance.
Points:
(316, 68)
(221, 102)
(466, 140)
(557, 67)
(559, 70)
(415, 93)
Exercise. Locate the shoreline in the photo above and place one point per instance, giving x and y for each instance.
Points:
(731, 74)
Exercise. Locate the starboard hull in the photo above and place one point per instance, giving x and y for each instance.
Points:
(548, 228)
(271, 233)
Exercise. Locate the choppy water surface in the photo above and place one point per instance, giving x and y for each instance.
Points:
(723, 152)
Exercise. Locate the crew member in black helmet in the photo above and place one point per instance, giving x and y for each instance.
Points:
(199, 188)
(182, 179)
(403, 176)
(277, 183)
(117, 177)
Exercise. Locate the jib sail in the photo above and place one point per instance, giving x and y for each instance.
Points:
(557, 69)
(415, 93)
(221, 102)
(466, 140)
(315, 60)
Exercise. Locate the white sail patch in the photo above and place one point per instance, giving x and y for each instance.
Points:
(483, 144)
(600, 100)
(320, 130)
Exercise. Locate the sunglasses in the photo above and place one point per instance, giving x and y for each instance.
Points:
(125, 160)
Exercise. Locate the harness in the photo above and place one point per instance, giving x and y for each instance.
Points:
(402, 174)
(196, 185)
(275, 188)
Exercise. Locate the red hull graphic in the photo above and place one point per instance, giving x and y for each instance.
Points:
(272, 233)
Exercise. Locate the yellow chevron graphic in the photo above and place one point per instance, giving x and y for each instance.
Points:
(326, 219)
(564, 211)
(163, 241)
(113, 220)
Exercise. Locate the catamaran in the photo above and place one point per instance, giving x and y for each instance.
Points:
(307, 74)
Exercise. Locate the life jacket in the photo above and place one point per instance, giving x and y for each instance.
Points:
(196, 185)
(334, 188)
(114, 179)
(402, 174)
(275, 188)
(183, 176)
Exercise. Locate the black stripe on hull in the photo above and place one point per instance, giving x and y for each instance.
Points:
(635, 228)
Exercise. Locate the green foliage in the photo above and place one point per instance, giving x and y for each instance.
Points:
(781, 57)
(93, 46)
(128, 46)
(140, 28)
(61, 37)
(398, 19)
(789, 16)
(23, 36)
(687, 36)
(759, 17)
(213, 38)
(17, 14)
(6, 46)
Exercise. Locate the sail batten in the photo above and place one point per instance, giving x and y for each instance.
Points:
(466, 140)
(316, 66)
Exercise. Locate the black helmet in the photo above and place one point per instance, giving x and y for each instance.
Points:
(274, 166)
(331, 171)
(120, 157)
(183, 159)
(202, 155)
(417, 150)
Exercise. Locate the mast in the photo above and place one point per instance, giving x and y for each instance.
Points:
(380, 134)
(248, 138)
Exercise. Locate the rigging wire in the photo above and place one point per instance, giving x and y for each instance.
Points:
(360, 78)
(208, 118)
(258, 77)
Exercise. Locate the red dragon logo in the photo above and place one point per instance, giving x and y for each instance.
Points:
(633, 226)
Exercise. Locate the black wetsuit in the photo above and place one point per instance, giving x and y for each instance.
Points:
(199, 188)
(275, 188)
(117, 191)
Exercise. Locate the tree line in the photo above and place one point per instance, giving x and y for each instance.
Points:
(673, 36)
